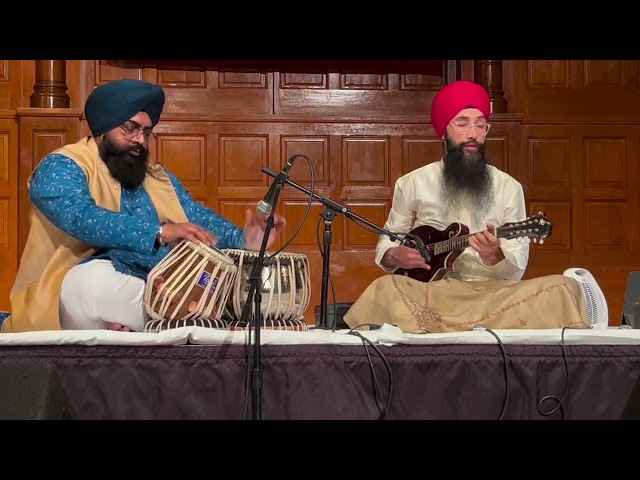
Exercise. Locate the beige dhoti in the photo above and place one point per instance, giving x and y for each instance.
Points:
(451, 305)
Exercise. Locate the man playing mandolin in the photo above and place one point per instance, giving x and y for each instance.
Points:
(469, 215)
(462, 187)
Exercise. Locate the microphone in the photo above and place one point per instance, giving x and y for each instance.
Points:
(266, 204)
(423, 250)
(419, 246)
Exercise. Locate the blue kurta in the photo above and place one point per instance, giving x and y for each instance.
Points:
(59, 189)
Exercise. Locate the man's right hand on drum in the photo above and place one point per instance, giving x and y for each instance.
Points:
(174, 232)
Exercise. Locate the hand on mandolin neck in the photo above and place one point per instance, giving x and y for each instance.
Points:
(487, 244)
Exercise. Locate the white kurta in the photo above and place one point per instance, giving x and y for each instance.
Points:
(417, 201)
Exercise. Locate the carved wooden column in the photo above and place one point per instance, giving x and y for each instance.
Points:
(488, 73)
(50, 88)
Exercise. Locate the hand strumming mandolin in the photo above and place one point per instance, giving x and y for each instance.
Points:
(445, 246)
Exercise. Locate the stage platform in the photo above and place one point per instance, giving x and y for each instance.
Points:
(201, 373)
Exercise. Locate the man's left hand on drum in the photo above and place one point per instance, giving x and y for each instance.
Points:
(255, 227)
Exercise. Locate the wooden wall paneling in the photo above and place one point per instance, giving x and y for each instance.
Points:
(567, 91)
(503, 145)
(193, 94)
(355, 96)
(12, 89)
(509, 84)
(8, 205)
(467, 69)
(75, 83)
(586, 180)
(14, 84)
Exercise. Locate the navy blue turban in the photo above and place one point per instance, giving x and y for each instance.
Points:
(112, 104)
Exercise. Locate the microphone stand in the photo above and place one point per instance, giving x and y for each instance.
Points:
(331, 209)
(255, 295)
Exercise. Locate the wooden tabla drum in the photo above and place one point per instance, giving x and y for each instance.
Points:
(189, 287)
(285, 289)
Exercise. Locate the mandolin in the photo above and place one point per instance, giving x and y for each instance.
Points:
(445, 246)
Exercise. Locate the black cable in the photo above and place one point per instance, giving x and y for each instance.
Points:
(385, 411)
(560, 401)
(247, 391)
(505, 401)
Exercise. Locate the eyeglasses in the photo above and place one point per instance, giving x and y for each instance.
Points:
(462, 127)
(131, 132)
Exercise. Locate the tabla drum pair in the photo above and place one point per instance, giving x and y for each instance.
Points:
(196, 285)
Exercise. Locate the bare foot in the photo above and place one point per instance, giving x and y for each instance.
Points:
(118, 327)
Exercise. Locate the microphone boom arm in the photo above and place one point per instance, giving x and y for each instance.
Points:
(337, 208)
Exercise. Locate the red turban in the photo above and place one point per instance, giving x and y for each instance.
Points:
(455, 97)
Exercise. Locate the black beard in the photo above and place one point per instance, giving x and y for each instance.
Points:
(467, 178)
(124, 167)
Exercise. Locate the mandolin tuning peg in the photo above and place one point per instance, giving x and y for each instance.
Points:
(541, 241)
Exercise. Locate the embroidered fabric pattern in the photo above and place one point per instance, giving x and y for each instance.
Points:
(431, 318)
(427, 320)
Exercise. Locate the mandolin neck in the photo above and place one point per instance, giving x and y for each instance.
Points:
(455, 243)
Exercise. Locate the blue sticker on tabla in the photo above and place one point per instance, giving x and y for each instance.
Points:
(203, 281)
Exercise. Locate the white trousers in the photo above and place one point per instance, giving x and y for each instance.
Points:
(94, 294)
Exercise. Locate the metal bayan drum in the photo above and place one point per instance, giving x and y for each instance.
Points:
(189, 287)
(285, 289)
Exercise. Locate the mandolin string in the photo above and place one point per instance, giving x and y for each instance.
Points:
(461, 241)
(450, 242)
(458, 241)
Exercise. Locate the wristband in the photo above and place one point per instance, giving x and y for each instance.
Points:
(159, 242)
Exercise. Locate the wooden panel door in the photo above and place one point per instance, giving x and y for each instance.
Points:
(8, 208)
